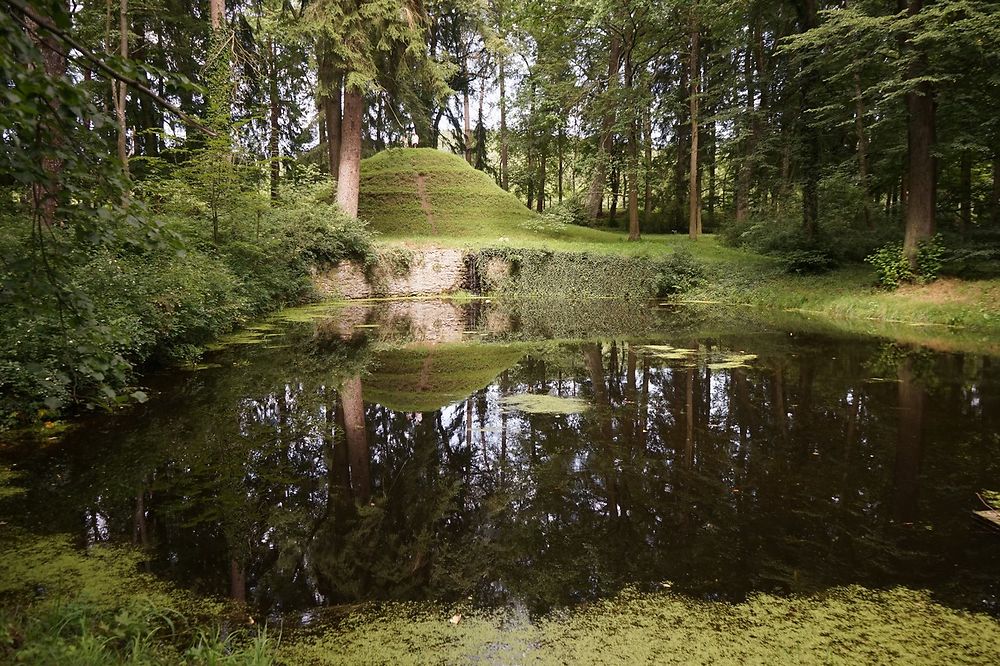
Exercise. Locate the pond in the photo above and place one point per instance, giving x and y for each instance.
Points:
(538, 456)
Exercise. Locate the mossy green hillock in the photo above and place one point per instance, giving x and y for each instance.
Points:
(427, 378)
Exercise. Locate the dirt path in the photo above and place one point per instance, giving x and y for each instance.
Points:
(424, 203)
(424, 382)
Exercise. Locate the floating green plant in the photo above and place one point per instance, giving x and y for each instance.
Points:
(713, 359)
(534, 403)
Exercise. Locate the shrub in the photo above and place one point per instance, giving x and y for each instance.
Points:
(677, 273)
(807, 261)
(893, 269)
(569, 211)
(125, 303)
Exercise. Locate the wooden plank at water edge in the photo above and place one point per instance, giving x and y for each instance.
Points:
(992, 517)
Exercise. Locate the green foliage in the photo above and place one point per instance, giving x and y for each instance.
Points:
(162, 304)
(528, 272)
(678, 272)
(97, 609)
(570, 211)
(807, 261)
(893, 268)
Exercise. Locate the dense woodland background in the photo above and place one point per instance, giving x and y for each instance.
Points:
(167, 163)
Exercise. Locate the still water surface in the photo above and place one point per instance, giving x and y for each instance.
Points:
(387, 451)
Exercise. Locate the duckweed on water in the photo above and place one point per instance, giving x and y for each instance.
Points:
(714, 359)
(7, 479)
(843, 626)
(533, 403)
(60, 605)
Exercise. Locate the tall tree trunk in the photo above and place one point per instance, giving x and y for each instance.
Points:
(504, 148)
(694, 67)
(274, 104)
(965, 192)
(122, 97)
(682, 130)
(217, 12)
(633, 181)
(615, 189)
(996, 190)
(331, 87)
(45, 194)
(744, 169)
(466, 113)
(712, 151)
(633, 148)
(560, 140)
(595, 194)
(237, 581)
(810, 139)
(542, 160)
(647, 130)
(921, 168)
(862, 137)
(349, 173)
(530, 159)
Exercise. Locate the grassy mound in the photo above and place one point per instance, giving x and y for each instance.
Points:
(424, 379)
(427, 192)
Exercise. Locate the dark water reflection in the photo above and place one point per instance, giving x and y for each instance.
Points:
(333, 463)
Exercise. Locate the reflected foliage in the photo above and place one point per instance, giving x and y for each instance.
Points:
(275, 477)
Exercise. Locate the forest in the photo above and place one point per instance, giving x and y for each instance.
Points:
(206, 139)
(534, 314)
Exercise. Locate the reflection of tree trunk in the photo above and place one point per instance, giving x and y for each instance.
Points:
(631, 422)
(780, 412)
(594, 362)
(468, 424)
(338, 471)
(739, 410)
(140, 533)
(911, 421)
(353, 409)
(689, 418)
(595, 366)
(644, 406)
(237, 581)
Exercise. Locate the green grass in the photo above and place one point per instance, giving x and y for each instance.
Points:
(471, 212)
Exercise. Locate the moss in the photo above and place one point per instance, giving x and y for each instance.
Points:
(64, 605)
(8, 479)
(844, 625)
(426, 192)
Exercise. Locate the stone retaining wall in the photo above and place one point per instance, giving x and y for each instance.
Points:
(429, 271)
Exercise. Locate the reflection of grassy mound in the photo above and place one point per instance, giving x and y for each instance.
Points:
(425, 379)
(422, 191)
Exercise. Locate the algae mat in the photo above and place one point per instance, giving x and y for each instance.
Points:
(842, 626)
